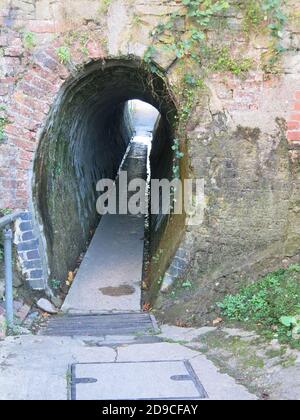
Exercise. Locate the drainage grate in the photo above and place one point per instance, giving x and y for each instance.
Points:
(155, 380)
(100, 325)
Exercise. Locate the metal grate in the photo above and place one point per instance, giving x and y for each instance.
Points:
(100, 325)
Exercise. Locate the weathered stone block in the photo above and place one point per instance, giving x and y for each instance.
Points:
(28, 245)
(36, 274)
(26, 226)
(32, 264)
(27, 236)
(33, 255)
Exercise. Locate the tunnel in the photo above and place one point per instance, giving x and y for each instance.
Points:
(84, 140)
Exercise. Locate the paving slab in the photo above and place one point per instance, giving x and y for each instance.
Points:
(171, 332)
(37, 368)
(219, 386)
(150, 352)
(135, 380)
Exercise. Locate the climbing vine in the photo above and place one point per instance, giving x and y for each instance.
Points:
(201, 16)
(177, 156)
(267, 16)
(186, 34)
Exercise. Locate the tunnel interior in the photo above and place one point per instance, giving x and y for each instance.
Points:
(85, 139)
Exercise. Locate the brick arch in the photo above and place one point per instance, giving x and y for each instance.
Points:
(85, 138)
(35, 98)
(28, 110)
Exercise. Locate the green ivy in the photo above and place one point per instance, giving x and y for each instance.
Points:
(253, 15)
(275, 15)
(177, 156)
(267, 15)
(200, 16)
(201, 13)
(193, 51)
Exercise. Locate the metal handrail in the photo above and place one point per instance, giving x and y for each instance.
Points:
(8, 219)
(5, 224)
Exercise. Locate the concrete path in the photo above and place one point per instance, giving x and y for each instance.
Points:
(38, 368)
(110, 275)
(109, 278)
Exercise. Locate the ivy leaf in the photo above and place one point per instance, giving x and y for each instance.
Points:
(288, 321)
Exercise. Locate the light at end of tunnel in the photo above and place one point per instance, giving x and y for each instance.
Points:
(144, 117)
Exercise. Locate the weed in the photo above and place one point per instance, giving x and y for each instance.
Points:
(3, 122)
(289, 361)
(274, 353)
(253, 15)
(63, 54)
(181, 286)
(157, 256)
(104, 6)
(136, 20)
(186, 284)
(225, 62)
(272, 303)
(5, 212)
(29, 40)
(55, 284)
(202, 16)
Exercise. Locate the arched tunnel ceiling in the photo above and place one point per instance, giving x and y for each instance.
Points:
(101, 87)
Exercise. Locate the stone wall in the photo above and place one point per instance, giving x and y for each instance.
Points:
(234, 135)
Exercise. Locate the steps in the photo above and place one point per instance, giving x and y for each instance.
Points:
(121, 324)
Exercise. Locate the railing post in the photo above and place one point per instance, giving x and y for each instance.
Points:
(8, 277)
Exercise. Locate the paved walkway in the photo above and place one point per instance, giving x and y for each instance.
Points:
(109, 278)
(38, 368)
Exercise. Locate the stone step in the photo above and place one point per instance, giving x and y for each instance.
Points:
(121, 324)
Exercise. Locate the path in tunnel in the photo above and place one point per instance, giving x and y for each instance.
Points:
(109, 278)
